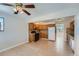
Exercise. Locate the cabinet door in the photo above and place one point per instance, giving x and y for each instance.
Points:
(44, 33)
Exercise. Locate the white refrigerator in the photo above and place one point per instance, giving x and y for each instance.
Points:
(51, 33)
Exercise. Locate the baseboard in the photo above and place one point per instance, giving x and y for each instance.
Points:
(52, 40)
(12, 47)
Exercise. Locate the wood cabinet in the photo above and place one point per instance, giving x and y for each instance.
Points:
(70, 30)
(31, 36)
(70, 35)
(43, 29)
(44, 33)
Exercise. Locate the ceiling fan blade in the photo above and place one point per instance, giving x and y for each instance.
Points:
(29, 6)
(6, 4)
(16, 12)
(26, 12)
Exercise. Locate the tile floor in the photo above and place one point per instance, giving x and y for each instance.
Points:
(40, 48)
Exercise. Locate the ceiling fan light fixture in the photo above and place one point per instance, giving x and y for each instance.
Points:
(18, 8)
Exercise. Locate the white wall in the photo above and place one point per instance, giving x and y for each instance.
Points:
(15, 31)
(77, 35)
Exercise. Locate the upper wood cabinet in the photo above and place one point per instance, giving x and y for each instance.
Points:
(31, 26)
(43, 26)
(72, 25)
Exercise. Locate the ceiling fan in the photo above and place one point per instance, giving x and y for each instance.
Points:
(20, 7)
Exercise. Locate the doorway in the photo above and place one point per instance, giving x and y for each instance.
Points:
(43, 29)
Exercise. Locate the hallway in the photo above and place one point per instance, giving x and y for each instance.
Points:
(40, 48)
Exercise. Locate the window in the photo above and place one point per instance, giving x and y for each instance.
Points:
(1, 23)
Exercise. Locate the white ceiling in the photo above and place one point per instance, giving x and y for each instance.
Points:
(45, 8)
(41, 8)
